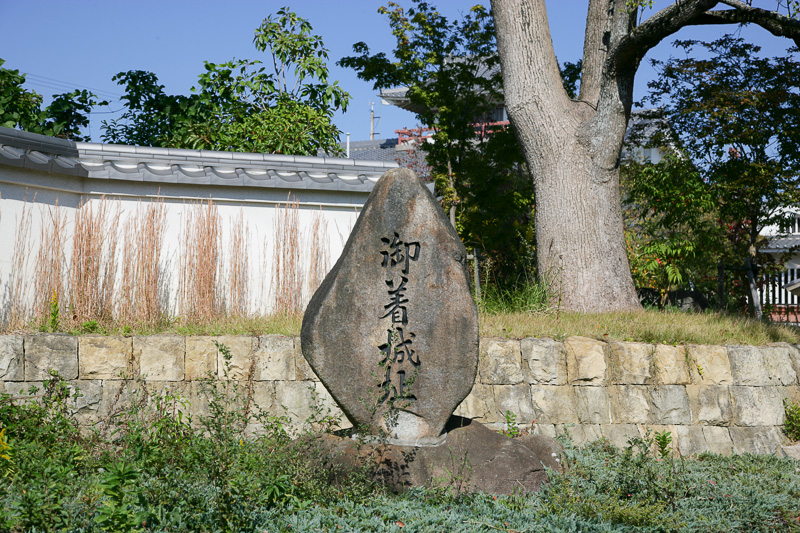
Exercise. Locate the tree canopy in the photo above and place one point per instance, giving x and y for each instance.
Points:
(242, 105)
(450, 70)
(733, 120)
(67, 116)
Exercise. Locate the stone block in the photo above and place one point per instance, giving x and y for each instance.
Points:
(670, 364)
(500, 362)
(778, 362)
(690, 440)
(295, 400)
(710, 404)
(592, 405)
(620, 434)
(553, 404)
(89, 404)
(582, 434)
(756, 440)
(241, 349)
(276, 358)
(21, 388)
(747, 366)
(548, 430)
(629, 404)
(718, 440)
(792, 451)
(160, 357)
(479, 405)
(631, 363)
(303, 370)
(586, 361)
(105, 357)
(670, 405)
(794, 354)
(709, 364)
(50, 351)
(201, 358)
(544, 361)
(514, 398)
(12, 358)
(757, 406)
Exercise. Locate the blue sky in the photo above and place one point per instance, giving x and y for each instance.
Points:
(83, 43)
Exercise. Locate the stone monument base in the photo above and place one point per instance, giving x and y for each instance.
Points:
(471, 458)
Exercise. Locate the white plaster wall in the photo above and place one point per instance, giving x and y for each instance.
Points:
(36, 194)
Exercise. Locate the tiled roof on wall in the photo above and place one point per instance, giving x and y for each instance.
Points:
(197, 167)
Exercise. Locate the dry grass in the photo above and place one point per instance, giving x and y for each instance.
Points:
(657, 327)
(200, 262)
(18, 313)
(238, 267)
(51, 263)
(287, 280)
(94, 260)
(319, 254)
(138, 300)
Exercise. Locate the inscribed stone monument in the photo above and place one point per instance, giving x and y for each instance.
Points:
(392, 332)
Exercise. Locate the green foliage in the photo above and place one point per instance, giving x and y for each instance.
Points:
(66, 116)
(54, 321)
(115, 513)
(734, 115)
(526, 296)
(242, 105)
(512, 428)
(274, 483)
(451, 70)
(791, 424)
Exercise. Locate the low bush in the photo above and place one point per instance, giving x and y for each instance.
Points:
(153, 469)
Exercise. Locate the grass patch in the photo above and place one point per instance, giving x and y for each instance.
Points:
(160, 471)
(651, 326)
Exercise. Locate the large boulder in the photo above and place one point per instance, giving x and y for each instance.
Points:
(392, 332)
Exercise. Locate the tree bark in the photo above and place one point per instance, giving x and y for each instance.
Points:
(580, 240)
(573, 147)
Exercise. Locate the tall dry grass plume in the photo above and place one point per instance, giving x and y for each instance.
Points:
(18, 311)
(51, 263)
(200, 262)
(319, 254)
(238, 267)
(94, 260)
(141, 282)
(287, 279)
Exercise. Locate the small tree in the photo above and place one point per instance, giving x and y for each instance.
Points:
(242, 105)
(66, 116)
(451, 71)
(737, 117)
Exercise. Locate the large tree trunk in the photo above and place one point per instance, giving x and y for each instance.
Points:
(572, 149)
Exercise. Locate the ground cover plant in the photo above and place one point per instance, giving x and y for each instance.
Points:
(150, 468)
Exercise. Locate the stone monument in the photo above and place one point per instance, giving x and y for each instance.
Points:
(392, 333)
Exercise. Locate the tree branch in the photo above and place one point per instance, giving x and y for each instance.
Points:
(775, 23)
(595, 49)
(629, 50)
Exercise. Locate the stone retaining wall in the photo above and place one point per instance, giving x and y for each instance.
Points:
(724, 399)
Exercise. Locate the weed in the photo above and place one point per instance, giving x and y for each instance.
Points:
(512, 428)
(791, 424)
(115, 513)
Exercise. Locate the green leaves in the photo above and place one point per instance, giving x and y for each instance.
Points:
(66, 116)
(243, 105)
